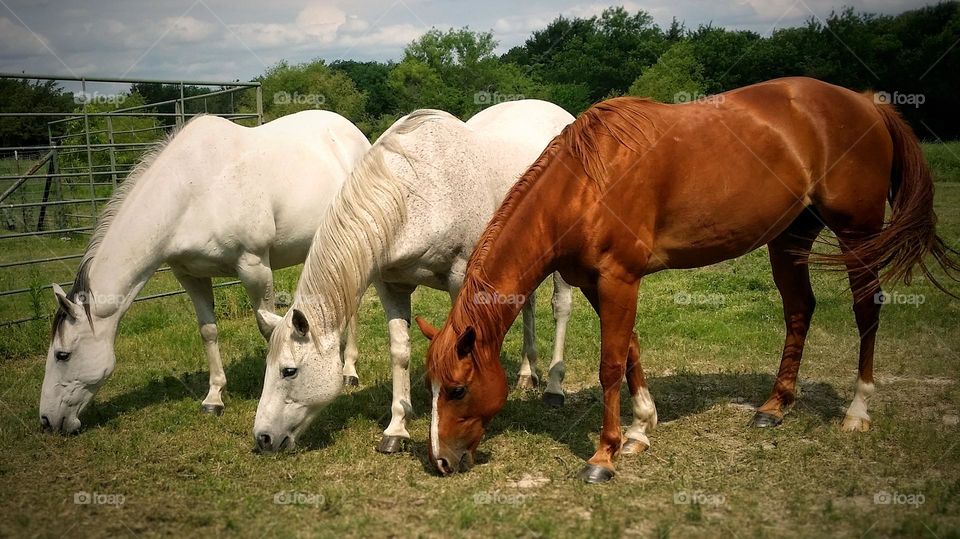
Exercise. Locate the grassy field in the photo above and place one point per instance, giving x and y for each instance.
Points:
(159, 467)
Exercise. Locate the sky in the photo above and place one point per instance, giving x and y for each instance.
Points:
(228, 40)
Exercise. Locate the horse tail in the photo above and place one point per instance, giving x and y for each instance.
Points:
(910, 234)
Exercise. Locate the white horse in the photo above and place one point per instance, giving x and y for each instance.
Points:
(217, 199)
(409, 214)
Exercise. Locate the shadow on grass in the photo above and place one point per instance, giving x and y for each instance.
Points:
(244, 381)
(577, 423)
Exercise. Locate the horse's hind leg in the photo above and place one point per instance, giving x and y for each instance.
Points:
(562, 302)
(644, 409)
(788, 256)
(527, 378)
(350, 353)
(200, 291)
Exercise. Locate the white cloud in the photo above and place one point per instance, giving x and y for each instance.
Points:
(187, 29)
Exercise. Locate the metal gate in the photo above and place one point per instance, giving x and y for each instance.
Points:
(51, 194)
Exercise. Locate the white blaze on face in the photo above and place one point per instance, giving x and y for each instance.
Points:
(435, 423)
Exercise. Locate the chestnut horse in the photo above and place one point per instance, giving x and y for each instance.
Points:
(634, 187)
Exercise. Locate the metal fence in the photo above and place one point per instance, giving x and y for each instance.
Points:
(51, 194)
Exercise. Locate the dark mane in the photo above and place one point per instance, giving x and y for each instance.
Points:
(629, 121)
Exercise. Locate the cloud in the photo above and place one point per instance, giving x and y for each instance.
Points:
(17, 41)
(187, 29)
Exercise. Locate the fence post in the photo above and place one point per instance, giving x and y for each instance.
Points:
(259, 104)
(86, 133)
(112, 152)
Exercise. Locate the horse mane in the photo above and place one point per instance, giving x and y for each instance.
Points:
(630, 121)
(358, 229)
(80, 290)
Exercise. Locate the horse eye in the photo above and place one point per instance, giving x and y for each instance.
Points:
(288, 372)
(457, 393)
(62, 356)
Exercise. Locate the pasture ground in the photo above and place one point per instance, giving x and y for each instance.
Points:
(710, 345)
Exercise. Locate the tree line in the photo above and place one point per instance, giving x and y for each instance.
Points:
(575, 62)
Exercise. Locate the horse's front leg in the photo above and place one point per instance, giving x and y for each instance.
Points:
(616, 302)
(257, 277)
(396, 304)
(200, 290)
(527, 377)
(562, 303)
(350, 353)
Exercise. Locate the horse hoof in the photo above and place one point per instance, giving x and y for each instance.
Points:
(593, 474)
(526, 382)
(855, 424)
(212, 409)
(553, 400)
(762, 420)
(351, 381)
(391, 444)
(633, 446)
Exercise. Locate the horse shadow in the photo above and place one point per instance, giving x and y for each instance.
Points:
(575, 425)
(244, 381)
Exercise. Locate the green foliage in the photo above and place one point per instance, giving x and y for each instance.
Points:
(456, 71)
(24, 95)
(312, 85)
(677, 76)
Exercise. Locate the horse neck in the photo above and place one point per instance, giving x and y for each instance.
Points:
(131, 248)
(516, 261)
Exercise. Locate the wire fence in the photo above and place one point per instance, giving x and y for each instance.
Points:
(52, 191)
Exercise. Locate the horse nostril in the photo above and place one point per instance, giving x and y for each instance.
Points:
(45, 422)
(263, 442)
(443, 465)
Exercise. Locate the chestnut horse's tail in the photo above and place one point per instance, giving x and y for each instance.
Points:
(910, 234)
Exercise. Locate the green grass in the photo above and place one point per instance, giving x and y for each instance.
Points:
(181, 472)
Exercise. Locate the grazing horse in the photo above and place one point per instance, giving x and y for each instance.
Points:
(409, 215)
(634, 187)
(215, 199)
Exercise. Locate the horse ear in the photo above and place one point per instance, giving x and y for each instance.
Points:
(426, 328)
(465, 341)
(72, 309)
(270, 319)
(300, 324)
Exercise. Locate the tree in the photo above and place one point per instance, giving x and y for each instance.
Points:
(291, 88)
(21, 95)
(676, 77)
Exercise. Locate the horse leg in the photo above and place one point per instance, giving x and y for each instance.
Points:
(200, 290)
(350, 353)
(854, 218)
(644, 409)
(562, 301)
(791, 274)
(257, 278)
(528, 378)
(396, 304)
(866, 308)
(616, 303)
